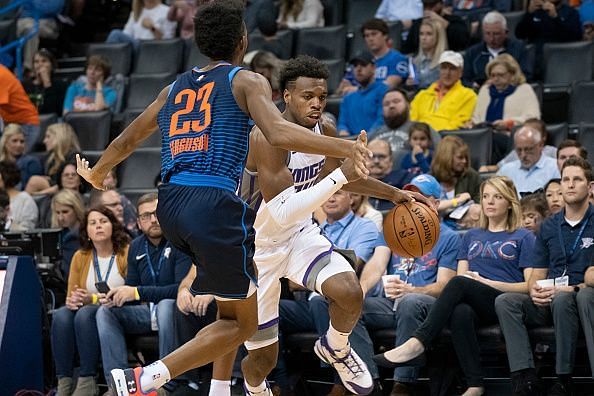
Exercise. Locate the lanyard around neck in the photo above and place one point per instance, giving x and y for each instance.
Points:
(98, 270)
(155, 272)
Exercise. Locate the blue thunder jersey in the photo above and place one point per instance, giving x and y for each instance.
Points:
(205, 134)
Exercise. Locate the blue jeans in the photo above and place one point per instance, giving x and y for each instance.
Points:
(118, 36)
(378, 314)
(114, 323)
(72, 331)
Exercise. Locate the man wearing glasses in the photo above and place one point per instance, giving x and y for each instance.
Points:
(533, 169)
(147, 301)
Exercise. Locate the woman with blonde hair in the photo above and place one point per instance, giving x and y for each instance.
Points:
(299, 14)
(12, 148)
(493, 259)
(451, 167)
(432, 42)
(506, 100)
(62, 145)
(68, 211)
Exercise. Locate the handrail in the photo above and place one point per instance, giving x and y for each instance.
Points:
(19, 43)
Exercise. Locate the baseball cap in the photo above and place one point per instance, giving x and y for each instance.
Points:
(451, 57)
(426, 184)
(363, 57)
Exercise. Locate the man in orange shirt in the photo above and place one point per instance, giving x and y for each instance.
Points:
(15, 107)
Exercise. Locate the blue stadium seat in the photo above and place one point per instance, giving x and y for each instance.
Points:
(581, 102)
(565, 63)
(513, 19)
(322, 43)
(144, 88)
(336, 67)
(359, 11)
(193, 57)
(586, 138)
(479, 141)
(91, 127)
(119, 54)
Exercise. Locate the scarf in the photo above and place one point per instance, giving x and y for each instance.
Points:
(495, 109)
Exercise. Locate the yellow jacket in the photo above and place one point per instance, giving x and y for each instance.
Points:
(452, 112)
(81, 263)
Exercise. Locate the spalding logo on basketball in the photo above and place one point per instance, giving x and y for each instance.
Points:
(411, 229)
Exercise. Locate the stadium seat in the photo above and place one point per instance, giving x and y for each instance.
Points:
(581, 102)
(69, 74)
(322, 43)
(144, 88)
(45, 120)
(140, 169)
(586, 138)
(284, 37)
(91, 127)
(333, 12)
(336, 67)
(193, 57)
(530, 54)
(358, 42)
(557, 133)
(479, 141)
(537, 88)
(154, 139)
(159, 56)
(120, 55)
(513, 19)
(567, 62)
(359, 11)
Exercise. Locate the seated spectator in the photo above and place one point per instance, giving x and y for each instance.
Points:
(418, 160)
(147, 21)
(47, 12)
(570, 148)
(23, 210)
(396, 110)
(432, 43)
(451, 167)
(495, 42)
(362, 109)
(404, 11)
(130, 215)
(549, 21)
(554, 196)
(45, 91)
(68, 212)
(62, 145)
(104, 246)
(446, 104)
(182, 12)
(533, 169)
(507, 101)
(411, 287)
(111, 199)
(12, 148)
(391, 66)
(268, 65)
(456, 28)
(300, 14)
(381, 166)
(534, 211)
(484, 272)
(558, 294)
(16, 107)
(155, 269)
(89, 94)
(4, 210)
(362, 208)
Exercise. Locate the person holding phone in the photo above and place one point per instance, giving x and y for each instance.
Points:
(101, 261)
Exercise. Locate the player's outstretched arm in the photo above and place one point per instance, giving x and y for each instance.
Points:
(253, 94)
(123, 145)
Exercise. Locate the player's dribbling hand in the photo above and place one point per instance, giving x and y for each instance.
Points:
(360, 154)
(402, 196)
(86, 172)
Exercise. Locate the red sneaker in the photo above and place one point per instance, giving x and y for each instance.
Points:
(126, 382)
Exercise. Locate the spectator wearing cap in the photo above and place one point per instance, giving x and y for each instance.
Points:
(495, 42)
(587, 19)
(391, 65)
(456, 28)
(362, 109)
(446, 104)
(549, 21)
(410, 288)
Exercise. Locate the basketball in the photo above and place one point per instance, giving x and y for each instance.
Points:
(411, 229)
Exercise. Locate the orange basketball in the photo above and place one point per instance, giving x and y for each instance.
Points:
(411, 229)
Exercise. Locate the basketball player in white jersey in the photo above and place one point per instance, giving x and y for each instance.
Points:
(282, 187)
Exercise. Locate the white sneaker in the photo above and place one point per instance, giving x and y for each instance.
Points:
(352, 370)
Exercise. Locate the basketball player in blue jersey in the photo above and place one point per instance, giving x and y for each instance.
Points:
(204, 121)
(285, 187)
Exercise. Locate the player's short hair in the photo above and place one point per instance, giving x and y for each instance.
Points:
(218, 27)
(302, 66)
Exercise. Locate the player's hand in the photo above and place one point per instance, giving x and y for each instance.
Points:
(184, 301)
(402, 196)
(86, 172)
(200, 304)
(349, 170)
(360, 154)
(121, 295)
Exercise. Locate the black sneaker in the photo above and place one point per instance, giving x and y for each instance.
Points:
(528, 388)
(561, 389)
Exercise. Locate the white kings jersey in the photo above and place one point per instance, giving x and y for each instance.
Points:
(305, 169)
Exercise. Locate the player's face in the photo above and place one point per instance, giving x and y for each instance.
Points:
(65, 216)
(494, 204)
(554, 198)
(99, 228)
(306, 100)
(147, 220)
(574, 185)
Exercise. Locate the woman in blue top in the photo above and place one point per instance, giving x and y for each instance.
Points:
(492, 259)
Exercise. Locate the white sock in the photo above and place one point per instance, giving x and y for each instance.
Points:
(256, 389)
(336, 339)
(220, 388)
(154, 376)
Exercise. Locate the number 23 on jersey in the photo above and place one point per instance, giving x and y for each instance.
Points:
(191, 97)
